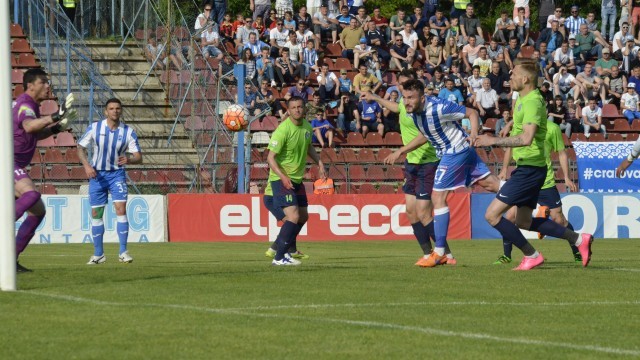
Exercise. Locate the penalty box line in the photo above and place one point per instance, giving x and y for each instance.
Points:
(366, 324)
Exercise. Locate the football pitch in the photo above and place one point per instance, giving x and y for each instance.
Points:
(350, 300)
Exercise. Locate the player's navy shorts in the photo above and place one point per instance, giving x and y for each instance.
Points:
(459, 170)
(112, 182)
(19, 174)
(267, 200)
(288, 197)
(550, 197)
(523, 187)
(418, 179)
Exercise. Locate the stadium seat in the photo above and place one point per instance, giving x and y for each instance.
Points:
(209, 123)
(328, 156)
(382, 154)
(614, 137)
(176, 176)
(338, 172)
(257, 156)
(482, 153)
(355, 139)
(376, 173)
(334, 51)
(329, 63)
(37, 172)
(345, 188)
(610, 111)
(18, 90)
(308, 187)
(395, 173)
(203, 139)
(635, 126)
(27, 60)
(47, 142)
(527, 51)
(16, 31)
(621, 125)
(21, 46)
(367, 189)
(48, 107)
(389, 78)
(348, 155)
(571, 154)
(597, 137)
(135, 175)
(374, 139)
(77, 173)
(343, 63)
(562, 188)
(357, 173)
(169, 77)
(393, 139)
(270, 123)
(498, 153)
(193, 123)
(37, 157)
(632, 137)
(53, 156)
(578, 137)
(65, 139)
(58, 172)
(490, 124)
(48, 189)
(142, 35)
(16, 76)
(386, 189)
(258, 172)
(366, 156)
(156, 177)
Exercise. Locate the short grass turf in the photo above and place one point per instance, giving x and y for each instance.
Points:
(353, 300)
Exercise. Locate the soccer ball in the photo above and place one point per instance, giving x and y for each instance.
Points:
(235, 118)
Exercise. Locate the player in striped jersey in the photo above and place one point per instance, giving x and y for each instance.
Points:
(522, 189)
(438, 121)
(110, 140)
(419, 170)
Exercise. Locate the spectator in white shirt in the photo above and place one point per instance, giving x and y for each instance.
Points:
(409, 36)
(210, 41)
(592, 118)
(327, 84)
(629, 103)
(486, 101)
(278, 37)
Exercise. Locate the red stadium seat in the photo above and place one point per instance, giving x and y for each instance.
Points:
(21, 46)
(334, 50)
(194, 123)
(610, 111)
(597, 137)
(58, 172)
(18, 90)
(338, 172)
(135, 175)
(343, 63)
(48, 189)
(578, 137)
(37, 158)
(395, 173)
(16, 76)
(53, 155)
(357, 173)
(312, 173)
(376, 173)
(349, 155)
(77, 173)
(16, 31)
(37, 172)
(367, 189)
(632, 136)
(27, 60)
(386, 189)
(259, 172)
(329, 63)
(47, 142)
(66, 139)
(366, 156)
(374, 139)
(527, 51)
(176, 176)
(621, 125)
(614, 137)
(355, 139)
(328, 155)
(635, 126)
(393, 139)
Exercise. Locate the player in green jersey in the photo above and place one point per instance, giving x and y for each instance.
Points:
(522, 189)
(288, 149)
(277, 212)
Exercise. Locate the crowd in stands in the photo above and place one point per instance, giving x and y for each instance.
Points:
(330, 52)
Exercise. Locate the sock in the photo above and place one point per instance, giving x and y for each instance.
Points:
(574, 249)
(534, 255)
(551, 228)
(285, 238)
(25, 202)
(511, 232)
(273, 246)
(26, 232)
(97, 233)
(293, 248)
(422, 235)
(507, 246)
(441, 228)
(122, 227)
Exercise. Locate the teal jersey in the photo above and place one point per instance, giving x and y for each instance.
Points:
(408, 130)
(530, 109)
(291, 143)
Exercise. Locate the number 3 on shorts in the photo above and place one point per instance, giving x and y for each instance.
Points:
(439, 174)
(122, 188)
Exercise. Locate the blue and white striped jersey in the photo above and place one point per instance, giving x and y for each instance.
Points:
(109, 144)
(439, 122)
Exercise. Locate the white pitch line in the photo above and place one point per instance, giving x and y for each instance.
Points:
(369, 324)
(623, 269)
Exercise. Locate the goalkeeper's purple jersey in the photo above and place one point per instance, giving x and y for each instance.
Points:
(24, 144)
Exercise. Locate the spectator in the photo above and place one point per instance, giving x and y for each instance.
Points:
(620, 39)
(439, 25)
(625, 10)
(470, 25)
(390, 119)
(552, 37)
(629, 56)
(265, 98)
(304, 16)
(616, 84)
(563, 82)
(592, 118)
(396, 24)
(314, 107)
(563, 58)
(202, 18)
(278, 38)
(454, 31)
(345, 85)
(305, 35)
(589, 46)
(260, 8)
(556, 16)
(511, 53)
(605, 63)
(295, 48)
(495, 51)
(285, 69)
(218, 9)
(344, 19)
(401, 54)
(629, 104)
(433, 54)
(288, 21)
(243, 35)
(365, 82)
(474, 84)
(486, 101)
(522, 25)
(545, 10)
(363, 18)
(450, 52)
(271, 21)
(459, 80)
(483, 62)
(350, 37)
(429, 8)
(363, 52)
(504, 120)
(322, 131)
(417, 21)
(382, 24)
(437, 81)
(309, 59)
(470, 52)
(543, 74)
(226, 29)
(354, 5)
(592, 25)
(635, 77)
(556, 111)
(589, 85)
(450, 93)
(499, 81)
(282, 6)
(521, 4)
(505, 27)
(572, 116)
(154, 54)
(328, 87)
(250, 64)
(300, 90)
(210, 41)
(264, 67)
(255, 45)
(376, 39)
(238, 23)
(547, 94)
(577, 55)
(263, 33)
(409, 36)
(322, 24)
(225, 70)
(334, 9)
(250, 99)
(348, 114)
(573, 23)
(370, 117)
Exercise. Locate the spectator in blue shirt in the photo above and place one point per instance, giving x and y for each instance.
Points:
(322, 131)
(370, 117)
(451, 93)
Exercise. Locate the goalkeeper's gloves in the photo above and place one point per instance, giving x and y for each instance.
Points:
(65, 109)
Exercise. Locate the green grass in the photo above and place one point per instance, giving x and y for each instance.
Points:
(349, 300)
